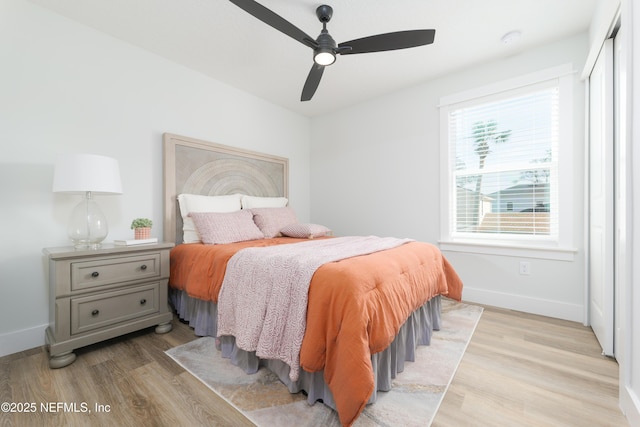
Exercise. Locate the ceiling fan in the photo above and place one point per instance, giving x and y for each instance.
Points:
(325, 48)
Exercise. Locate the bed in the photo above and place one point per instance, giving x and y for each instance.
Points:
(364, 307)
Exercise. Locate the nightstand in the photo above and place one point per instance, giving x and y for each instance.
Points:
(97, 294)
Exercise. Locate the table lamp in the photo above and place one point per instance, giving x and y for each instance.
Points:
(89, 175)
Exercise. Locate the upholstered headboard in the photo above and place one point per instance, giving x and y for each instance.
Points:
(198, 167)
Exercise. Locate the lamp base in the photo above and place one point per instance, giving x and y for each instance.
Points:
(83, 245)
(87, 226)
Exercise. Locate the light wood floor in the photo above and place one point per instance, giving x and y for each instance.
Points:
(519, 370)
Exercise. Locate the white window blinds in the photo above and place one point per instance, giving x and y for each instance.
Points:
(504, 154)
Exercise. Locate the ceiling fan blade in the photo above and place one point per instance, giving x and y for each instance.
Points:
(313, 80)
(388, 41)
(276, 21)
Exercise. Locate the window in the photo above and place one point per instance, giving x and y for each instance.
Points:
(505, 155)
(506, 163)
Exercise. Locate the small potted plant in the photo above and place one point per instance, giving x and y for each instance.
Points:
(142, 228)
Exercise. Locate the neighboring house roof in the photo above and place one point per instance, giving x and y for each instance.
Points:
(473, 193)
(542, 188)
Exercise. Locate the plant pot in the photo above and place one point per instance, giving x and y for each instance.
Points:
(142, 233)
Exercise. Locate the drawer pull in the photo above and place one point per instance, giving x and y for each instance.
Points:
(94, 313)
(143, 301)
(143, 267)
(95, 274)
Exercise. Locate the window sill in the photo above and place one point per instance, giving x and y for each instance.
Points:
(521, 251)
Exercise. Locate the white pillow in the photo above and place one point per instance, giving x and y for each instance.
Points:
(250, 202)
(199, 203)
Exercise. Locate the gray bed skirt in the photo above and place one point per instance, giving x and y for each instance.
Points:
(203, 317)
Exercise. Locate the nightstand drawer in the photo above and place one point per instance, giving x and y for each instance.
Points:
(88, 274)
(107, 308)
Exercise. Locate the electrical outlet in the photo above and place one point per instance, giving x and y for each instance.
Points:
(525, 268)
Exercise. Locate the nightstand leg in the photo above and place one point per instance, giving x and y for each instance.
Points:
(163, 328)
(61, 360)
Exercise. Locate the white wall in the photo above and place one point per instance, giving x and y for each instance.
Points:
(375, 170)
(67, 88)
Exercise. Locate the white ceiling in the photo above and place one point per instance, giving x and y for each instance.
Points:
(218, 39)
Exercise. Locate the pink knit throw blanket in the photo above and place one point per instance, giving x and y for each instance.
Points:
(263, 299)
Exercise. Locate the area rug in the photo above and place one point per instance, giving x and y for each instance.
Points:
(413, 401)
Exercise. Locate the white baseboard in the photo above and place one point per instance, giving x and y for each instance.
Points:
(543, 307)
(630, 405)
(24, 339)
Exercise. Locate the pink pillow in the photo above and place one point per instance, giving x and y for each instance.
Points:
(305, 231)
(271, 220)
(229, 227)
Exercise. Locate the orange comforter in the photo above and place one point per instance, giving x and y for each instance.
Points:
(356, 306)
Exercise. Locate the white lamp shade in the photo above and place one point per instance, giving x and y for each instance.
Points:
(79, 173)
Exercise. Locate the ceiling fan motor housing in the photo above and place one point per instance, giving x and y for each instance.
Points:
(326, 43)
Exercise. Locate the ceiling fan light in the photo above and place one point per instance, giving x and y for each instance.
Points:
(324, 57)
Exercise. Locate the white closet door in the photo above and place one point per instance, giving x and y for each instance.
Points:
(601, 196)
